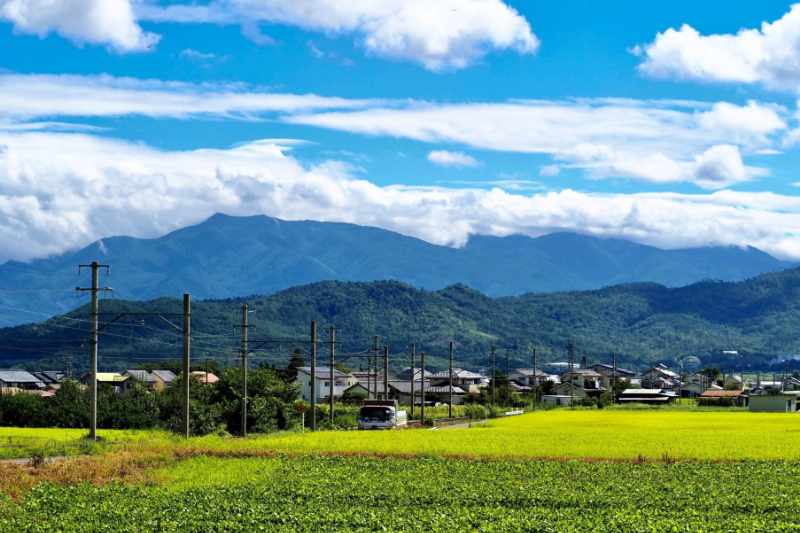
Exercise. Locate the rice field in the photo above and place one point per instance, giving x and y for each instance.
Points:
(556, 434)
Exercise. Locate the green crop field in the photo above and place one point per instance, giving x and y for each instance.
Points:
(427, 494)
(704, 471)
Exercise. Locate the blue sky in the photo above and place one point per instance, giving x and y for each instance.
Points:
(672, 124)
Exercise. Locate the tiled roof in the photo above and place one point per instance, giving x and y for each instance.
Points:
(18, 376)
(166, 375)
(529, 372)
(210, 378)
(459, 373)
(325, 372)
(141, 375)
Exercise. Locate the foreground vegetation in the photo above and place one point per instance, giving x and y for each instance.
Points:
(428, 494)
(560, 470)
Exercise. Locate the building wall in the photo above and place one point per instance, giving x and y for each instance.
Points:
(773, 404)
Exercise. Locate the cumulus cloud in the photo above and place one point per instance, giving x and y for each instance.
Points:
(770, 55)
(651, 141)
(453, 159)
(105, 22)
(439, 34)
(83, 188)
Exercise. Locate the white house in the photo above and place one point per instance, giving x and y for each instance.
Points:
(341, 382)
(777, 403)
(524, 376)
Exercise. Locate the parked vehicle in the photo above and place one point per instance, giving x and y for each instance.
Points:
(381, 414)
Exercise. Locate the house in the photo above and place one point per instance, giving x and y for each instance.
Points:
(724, 398)
(693, 389)
(164, 378)
(112, 379)
(607, 374)
(405, 375)
(608, 370)
(342, 382)
(557, 399)
(580, 383)
(774, 403)
(364, 376)
(50, 376)
(463, 379)
(20, 379)
(652, 396)
(206, 378)
(524, 376)
(660, 377)
(142, 376)
(735, 383)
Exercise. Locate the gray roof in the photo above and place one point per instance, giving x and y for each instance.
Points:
(405, 387)
(323, 372)
(459, 373)
(529, 372)
(18, 376)
(166, 375)
(584, 372)
(50, 376)
(608, 370)
(141, 375)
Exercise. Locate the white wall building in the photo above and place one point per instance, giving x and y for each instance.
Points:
(341, 382)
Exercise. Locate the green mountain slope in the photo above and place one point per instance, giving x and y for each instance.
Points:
(643, 323)
(226, 257)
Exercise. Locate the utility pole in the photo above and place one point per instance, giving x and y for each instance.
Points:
(450, 411)
(494, 381)
(244, 327)
(187, 315)
(93, 361)
(422, 373)
(374, 377)
(508, 381)
(413, 398)
(385, 372)
(535, 381)
(333, 340)
(614, 378)
(571, 349)
(313, 375)
(584, 359)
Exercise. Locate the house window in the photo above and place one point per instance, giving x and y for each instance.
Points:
(327, 383)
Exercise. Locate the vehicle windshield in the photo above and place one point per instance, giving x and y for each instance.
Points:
(375, 414)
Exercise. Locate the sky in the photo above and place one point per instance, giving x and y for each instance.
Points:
(673, 124)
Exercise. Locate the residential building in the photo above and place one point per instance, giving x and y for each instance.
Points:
(164, 378)
(341, 383)
(112, 379)
(206, 378)
(524, 376)
(660, 377)
(654, 396)
(463, 379)
(580, 383)
(607, 374)
(50, 376)
(20, 379)
(141, 376)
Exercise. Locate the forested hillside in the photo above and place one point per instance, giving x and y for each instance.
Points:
(642, 323)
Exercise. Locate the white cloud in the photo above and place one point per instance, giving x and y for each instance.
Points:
(656, 142)
(439, 34)
(27, 97)
(453, 159)
(770, 55)
(105, 22)
(194, 54)
(550, 170)
(83, 188)
(653, 141)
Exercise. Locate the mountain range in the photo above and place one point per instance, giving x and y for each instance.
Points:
(226, 257)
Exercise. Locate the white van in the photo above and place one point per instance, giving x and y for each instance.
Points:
(381, 414)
